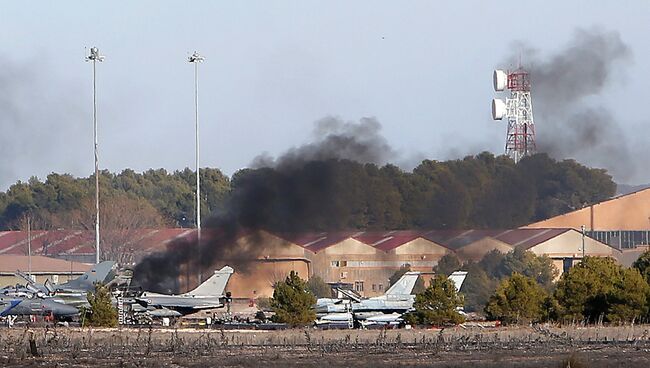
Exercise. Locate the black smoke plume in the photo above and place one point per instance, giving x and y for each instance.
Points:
(568, 124)
(40, 126)
(294, 192)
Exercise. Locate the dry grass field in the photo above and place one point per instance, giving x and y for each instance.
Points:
(456, 347)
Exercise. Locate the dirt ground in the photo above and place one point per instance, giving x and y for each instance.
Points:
(456, 347)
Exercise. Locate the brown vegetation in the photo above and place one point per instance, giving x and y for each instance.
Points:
(504, 347)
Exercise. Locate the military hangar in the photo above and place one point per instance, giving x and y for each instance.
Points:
(40, 268)
(362, 259)
(622, 222)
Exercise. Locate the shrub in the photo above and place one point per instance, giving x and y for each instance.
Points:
(447, 264)
(292, 302)
(101, 313)
(600, 287)
(517, 299)
(318, 287)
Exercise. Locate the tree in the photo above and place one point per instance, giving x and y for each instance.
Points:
(438, 304)
(477, 288)
(629, 299)
(643, 265)
(600, 288)
(447, 264)
(292, 302)
(491, 263)
(329, 194)
(517, 299)
(540, 268)
(318, 287)
(122, 217)
(101, 313)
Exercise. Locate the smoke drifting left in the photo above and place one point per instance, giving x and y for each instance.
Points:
(569, 124)
(286, 194)
(40, 125)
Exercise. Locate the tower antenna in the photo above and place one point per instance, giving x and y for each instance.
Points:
(518, 109)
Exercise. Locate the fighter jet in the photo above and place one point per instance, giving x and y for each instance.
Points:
(72, 293)
(383, 309)
(10, 306)
(208, 295)
(102, 272)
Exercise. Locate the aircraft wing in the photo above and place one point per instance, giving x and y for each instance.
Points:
(7, 306)
(177, 303)
(189, 306)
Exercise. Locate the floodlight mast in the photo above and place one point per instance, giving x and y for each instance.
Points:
(195, 58)
(95, 57)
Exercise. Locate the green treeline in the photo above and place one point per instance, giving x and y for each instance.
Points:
(520, 287)
(151, 199)
(481, 191)
(593, 291)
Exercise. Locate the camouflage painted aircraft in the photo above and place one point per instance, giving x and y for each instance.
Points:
(72, 293)
(10, 306)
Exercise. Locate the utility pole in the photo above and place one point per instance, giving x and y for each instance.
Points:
(29, 246)
(195, 58)
(95, 57)
(582, 227)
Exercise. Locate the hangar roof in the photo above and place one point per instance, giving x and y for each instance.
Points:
(526, 239)
(12, 263)
(625, 212)
(387, 240)
(58, 242)
(315, 241)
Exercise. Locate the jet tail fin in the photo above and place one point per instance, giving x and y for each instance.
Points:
(215, 285)
(405, 285)
(99, 273)
(48, 286)
(24, 276)
(458, 277)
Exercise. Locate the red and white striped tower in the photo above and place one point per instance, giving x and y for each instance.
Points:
(518, 109)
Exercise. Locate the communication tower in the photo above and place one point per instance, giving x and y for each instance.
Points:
(518, 109)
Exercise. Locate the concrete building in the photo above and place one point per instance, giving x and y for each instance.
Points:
(622, 222)
(42, 268)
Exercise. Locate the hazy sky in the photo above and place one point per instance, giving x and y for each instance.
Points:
(423, 69)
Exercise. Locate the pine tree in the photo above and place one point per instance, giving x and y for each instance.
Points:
(437, 304)
(101, 313)
(517, 299)
(292, 301)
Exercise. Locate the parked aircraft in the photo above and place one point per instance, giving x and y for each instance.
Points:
(103, 272)
(383, 309)
(72, 293)
(208, 295)
(10, 306)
